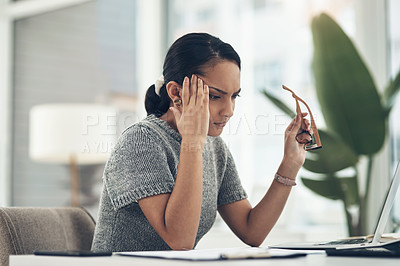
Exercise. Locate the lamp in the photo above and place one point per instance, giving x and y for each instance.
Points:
(73, 134)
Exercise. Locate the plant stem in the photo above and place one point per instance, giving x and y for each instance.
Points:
(349, 219)
(369, 172)
(364, 199)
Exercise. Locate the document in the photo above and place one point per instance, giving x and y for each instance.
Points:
(216, 254)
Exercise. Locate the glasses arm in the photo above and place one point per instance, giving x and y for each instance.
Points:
(298, 110)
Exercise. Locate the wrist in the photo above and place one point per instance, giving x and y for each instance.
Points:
(288, 168)
(284, 180)
(192, 145)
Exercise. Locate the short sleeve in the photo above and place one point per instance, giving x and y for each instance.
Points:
(231, 189)
(137, 168)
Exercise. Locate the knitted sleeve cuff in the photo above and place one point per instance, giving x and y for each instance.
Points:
(133, 196)
(231, 197)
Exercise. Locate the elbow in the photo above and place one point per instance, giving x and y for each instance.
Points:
(253, 241)
(181, 247)
(179, 239)
(181, 244)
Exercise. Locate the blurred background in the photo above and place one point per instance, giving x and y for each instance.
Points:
(81, 67)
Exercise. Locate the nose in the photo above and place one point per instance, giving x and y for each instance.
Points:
(227, 108)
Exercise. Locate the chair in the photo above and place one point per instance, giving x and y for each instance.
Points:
(25, 229)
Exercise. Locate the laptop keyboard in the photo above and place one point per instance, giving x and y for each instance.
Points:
(344, 242)
(367, 252)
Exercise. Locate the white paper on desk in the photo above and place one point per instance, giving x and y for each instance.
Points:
(214, 254)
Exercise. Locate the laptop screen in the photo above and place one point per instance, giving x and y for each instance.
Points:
(390, 196)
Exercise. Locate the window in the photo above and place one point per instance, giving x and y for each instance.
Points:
(78, 54)
(394, 68)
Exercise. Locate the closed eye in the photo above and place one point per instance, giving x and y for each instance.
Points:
(214, 97)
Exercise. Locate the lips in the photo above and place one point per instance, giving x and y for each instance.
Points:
(222, 124)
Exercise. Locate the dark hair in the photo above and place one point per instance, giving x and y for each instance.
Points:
(188, 55)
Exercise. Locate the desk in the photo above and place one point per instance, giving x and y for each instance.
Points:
(309, 260)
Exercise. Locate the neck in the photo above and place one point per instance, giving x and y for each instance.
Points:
(170, 119)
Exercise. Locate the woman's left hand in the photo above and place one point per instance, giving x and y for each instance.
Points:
(294, 151)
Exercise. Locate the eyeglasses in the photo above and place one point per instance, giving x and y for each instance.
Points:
(310, 141)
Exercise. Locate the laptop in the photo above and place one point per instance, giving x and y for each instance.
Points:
(375, 240)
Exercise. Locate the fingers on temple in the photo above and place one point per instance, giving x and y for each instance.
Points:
(206, 96)
(193, 89)
(185, 91)
(200, 91)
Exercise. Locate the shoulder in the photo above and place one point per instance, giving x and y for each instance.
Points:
(218, 144)
(219, 150)
(138, 131)
(149, 130)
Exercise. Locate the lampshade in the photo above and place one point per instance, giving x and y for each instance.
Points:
(59, 131)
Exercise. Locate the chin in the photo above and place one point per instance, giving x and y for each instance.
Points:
(214, 132)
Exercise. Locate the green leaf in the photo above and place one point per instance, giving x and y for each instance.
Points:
(335, 188)
(278, 103)
(350, 188)
(391, 92)
(334, 156)
(327, 187)
(346, 91)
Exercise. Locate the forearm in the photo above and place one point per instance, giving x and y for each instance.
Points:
(265, 214)
(176, 216)
(263, 217)
(182, 213)
(252, 225)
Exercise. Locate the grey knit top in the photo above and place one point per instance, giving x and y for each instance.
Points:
(144, 163)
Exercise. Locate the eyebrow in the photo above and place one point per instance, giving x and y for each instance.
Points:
(223, 92)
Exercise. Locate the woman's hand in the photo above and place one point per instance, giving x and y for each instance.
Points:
(294, 152)
(192, 119)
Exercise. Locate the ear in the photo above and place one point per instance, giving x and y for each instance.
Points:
(174, 90)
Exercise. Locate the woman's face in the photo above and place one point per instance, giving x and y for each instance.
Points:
(223, 79)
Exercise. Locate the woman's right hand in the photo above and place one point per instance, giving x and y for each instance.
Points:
(192, 119)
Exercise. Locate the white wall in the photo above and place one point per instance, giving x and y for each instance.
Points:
(5, 103)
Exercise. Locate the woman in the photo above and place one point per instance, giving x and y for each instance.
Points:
(170, 173)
